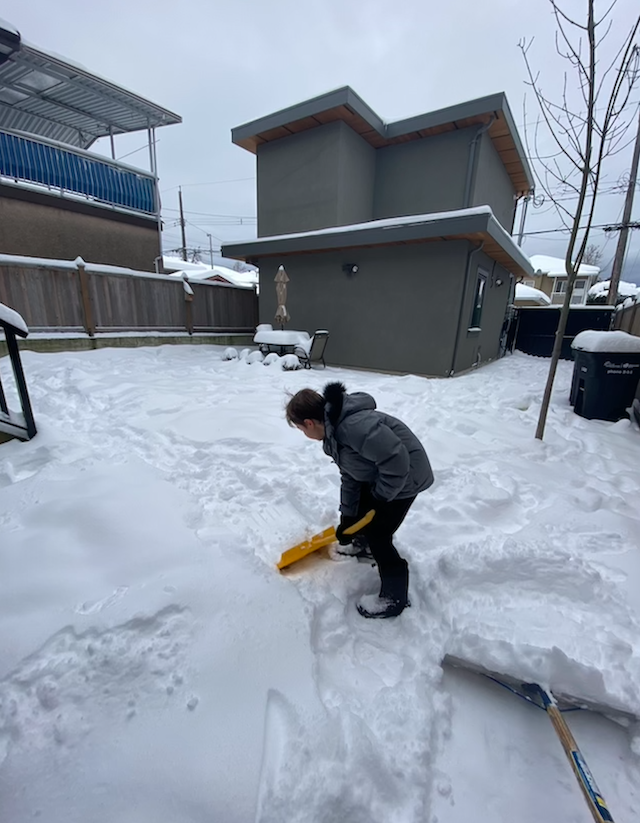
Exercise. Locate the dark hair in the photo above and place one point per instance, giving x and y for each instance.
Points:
(306, 404)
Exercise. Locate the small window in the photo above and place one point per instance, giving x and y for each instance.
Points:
(560, 287)
(531, 283)
(478, 299)
(579, 285)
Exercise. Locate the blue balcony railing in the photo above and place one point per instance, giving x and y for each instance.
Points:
(25, 159)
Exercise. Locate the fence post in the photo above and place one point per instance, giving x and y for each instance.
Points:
(188, 303)
(87, 308)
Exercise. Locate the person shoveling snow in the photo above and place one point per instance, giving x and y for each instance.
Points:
(383, 466)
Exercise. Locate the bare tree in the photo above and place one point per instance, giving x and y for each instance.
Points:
(592, 255)
(586, 131)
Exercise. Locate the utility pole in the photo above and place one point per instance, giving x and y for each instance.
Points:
(182, 225)
(210, 249)
(616, 269)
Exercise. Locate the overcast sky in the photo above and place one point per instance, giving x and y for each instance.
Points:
(219, 65)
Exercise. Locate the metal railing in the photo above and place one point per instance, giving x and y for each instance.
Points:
(62, 169)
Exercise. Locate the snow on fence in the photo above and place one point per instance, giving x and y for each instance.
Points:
(65, 296)
(628, 318)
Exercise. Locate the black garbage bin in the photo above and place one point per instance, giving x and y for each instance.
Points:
(635, 406)
(605, 374)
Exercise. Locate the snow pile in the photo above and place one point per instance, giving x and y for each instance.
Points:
(606, 341)
(155, 666)
(530, 294)
(624, 289)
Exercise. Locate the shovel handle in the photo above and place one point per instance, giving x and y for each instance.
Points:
(364, 521)
(595, 801)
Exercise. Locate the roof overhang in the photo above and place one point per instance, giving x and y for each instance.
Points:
(344, 104)
(45, 95)
(477, 225)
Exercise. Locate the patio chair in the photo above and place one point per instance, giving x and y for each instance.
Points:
(313, 351)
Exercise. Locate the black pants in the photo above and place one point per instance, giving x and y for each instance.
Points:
(379, 533)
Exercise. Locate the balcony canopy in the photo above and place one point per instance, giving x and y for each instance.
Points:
(48, 96)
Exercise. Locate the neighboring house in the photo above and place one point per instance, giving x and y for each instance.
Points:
(550, 277)
(57, 199)
(395, 236)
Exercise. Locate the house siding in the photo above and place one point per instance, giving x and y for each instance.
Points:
(477, 347)
(398, 313)
(313, 180)
(492, 185)
(34, 224)
(422, 176)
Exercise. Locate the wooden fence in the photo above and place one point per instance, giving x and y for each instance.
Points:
(628, 319)
(76, 297)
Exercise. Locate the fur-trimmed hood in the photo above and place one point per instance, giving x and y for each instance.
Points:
(339, 404)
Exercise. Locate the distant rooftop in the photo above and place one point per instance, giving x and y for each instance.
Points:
(344, 104)
(555, 266)
(49, 96)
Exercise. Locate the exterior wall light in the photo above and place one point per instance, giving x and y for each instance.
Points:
(350, 269)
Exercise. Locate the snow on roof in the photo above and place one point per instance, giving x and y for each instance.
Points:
(7, 26)
(12, 317)
(529, 293)
(624, 288)
(555, 266)
(607, 341)
(176, 264)
(237, 278)
(384, 223)
(455, 222)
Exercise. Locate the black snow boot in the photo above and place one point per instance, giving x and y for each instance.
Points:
(393, 597)
(358, 548)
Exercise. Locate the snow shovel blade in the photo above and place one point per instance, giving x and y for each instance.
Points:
(319, 540)
(563, 700)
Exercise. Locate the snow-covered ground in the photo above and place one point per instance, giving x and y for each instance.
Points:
(155, 668)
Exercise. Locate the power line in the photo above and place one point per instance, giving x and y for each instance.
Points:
(210, 183)
(565, 230)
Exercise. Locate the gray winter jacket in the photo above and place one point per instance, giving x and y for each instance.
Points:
(371, 448)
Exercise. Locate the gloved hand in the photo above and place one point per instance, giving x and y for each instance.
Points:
(345, 522)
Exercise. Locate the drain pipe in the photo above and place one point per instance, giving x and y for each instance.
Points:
(470, 256)
(472, 162)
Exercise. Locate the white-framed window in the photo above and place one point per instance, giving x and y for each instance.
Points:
(478, 299)
(579, 285)
(559, 286)
(531, 283)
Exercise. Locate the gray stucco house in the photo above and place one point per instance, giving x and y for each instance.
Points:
(396, 236)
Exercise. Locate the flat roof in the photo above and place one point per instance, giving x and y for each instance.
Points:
(47, 95)
(344, 104)
(477, 225)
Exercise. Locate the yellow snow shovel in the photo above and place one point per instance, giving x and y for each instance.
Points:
(319, 540)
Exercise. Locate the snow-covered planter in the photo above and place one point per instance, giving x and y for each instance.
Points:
(272, 357)
(244, 354)
(230, 354)
(290, 362)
